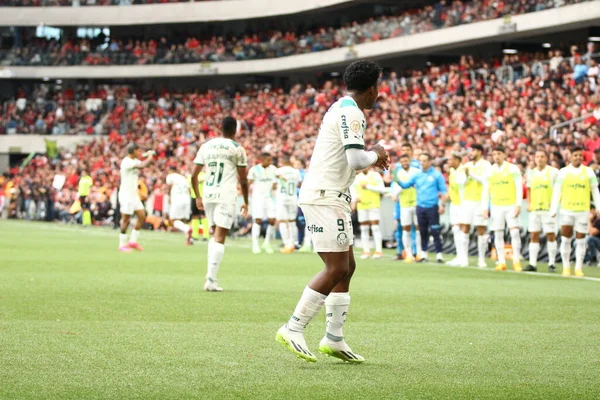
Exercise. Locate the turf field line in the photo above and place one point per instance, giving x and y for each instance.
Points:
(243, 243)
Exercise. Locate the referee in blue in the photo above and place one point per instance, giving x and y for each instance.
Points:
(431, 191)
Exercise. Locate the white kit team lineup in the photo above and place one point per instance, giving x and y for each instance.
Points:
(343, 177)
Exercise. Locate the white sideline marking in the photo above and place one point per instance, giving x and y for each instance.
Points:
(234, 243)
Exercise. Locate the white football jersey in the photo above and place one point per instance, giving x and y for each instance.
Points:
(180, 187)
(222, 157)
(343, 127)
(262, 181)
(129, 177)
(287, 185)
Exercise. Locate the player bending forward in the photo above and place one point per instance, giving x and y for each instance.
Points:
(324, 198)
(128, 197)
(179, 199)
(226, 164)
(572, 191)
(287, 202)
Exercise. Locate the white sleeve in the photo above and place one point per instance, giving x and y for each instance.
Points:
(199, 160)
(594, 188)
(170, 179)
(518, 184)
(360, 159)
(557, 192)
(352, 124)
(251, 173)
(528, 178)
(379, 187)
(485, 194)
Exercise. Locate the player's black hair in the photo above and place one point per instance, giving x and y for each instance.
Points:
(457, 156)
(406, 144)
(131, 147)
(265, 154)
(361, 75)
(229, 126)
(477, 146)
(286, 158)
(576, 148)
(426, 154)
(403, 155)
(499, 148)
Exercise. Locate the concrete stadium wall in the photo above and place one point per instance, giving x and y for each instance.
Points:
(25, 144)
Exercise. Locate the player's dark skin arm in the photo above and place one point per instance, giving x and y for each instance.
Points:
(244, 185)
(197, 170)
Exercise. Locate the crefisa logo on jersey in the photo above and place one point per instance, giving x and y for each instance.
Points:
(345, 127)
(342, 239)
(315, 229)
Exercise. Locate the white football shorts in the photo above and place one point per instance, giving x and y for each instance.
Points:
(330, 227)
(541, 220)
(287, 211)
(408, 216)
(455, 214)
(220, 214)
(130, 205)
(501, 216)
(370, 214)
(578, 220)
(263, 209)
(471, 213)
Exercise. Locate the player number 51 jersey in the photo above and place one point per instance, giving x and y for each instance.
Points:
(221, 157)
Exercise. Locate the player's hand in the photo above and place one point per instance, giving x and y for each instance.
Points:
(244, 210)
(442, 210)
(486, 214)
(517, 211)
(383, 159)
(199, 204)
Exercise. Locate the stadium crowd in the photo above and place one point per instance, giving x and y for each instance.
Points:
(441, 110)
(77, 3)
(103, 50)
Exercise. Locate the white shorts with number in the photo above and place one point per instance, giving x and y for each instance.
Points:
(408, 216)
(287, 212)
(330, 227)
(471, 213)
(130, 205)
(541, 220)
(220, 214)
(180, 209)
(371, 214)
(263, 209)
(455, 214)
(578, 220)
(501, 216)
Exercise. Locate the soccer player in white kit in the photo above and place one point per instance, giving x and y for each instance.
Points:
(471, 208)
(179, 203)
(325, 201)
(571, 192)
(129, 200)
(289, 180)
(263, 179)
(540, 182)
(503, 190)
(226, 164)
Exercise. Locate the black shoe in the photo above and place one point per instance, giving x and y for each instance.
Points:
(530, 268)
(398, 257)
(551, 268)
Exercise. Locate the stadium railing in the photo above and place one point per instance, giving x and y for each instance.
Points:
(209, 11)
(565, 18)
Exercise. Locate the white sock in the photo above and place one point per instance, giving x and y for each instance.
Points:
(552, 250)
(499, 243)
(215, 255)
(283, 231)
(377, 238)
(466, 242)
(336, 309)
(457, 234)
(565, 252)
(180, 226)
(269, 234)
(122, 239)
(255, 234)
(482, 245)
(407, 243)
(135, 234)
(579, 253)
(534, 249)
(307, 308)
(294, 233)
(418, 247)
(515, 242)
(364, 238)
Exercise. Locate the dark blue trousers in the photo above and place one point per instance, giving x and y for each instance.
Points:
(429, 223)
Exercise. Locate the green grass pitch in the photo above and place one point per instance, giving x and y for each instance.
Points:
(78, 320)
